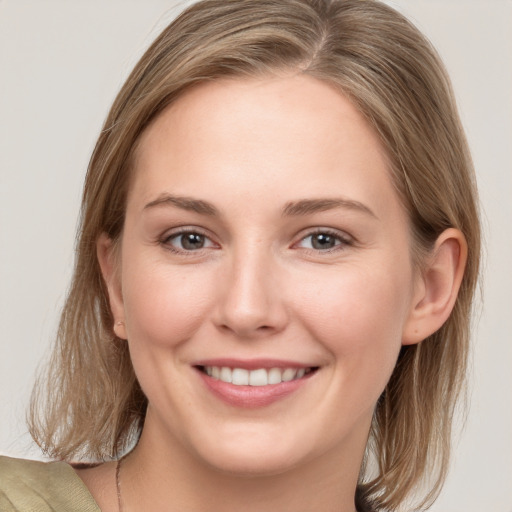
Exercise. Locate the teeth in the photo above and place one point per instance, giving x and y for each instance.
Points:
(289, 374)
(259, 377)
(239, 377)
(274, 376)
(225, 374)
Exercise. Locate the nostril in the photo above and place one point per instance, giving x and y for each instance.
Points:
(247, 329)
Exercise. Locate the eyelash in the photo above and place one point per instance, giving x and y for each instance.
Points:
(167, 239)
(342, 241)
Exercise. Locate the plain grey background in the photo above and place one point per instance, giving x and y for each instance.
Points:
(61, 64)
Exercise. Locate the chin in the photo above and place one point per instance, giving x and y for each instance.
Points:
(250, 466)
(253, 456)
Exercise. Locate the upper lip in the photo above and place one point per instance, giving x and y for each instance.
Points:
(252, 364)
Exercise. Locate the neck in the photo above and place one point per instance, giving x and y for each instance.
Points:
(163, 475)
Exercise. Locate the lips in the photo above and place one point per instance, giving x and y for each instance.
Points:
(249, 384)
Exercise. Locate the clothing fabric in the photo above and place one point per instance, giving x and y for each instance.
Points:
(33, 486)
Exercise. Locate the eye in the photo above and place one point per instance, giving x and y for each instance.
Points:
(323, 241)
(188, 241)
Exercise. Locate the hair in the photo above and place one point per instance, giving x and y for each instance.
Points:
(94, 408)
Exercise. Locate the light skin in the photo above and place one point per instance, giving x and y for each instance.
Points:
(262, 223)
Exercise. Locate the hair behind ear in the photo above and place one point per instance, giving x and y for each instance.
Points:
(413, 418)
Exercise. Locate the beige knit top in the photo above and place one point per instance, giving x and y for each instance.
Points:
(32, 486)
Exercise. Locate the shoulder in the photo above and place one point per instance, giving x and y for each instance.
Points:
(42, 486)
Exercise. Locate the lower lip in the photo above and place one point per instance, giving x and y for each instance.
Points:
(251, 396)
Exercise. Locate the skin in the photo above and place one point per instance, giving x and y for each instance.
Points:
(261, 286)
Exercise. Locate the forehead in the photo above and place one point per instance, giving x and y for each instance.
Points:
(287, 136)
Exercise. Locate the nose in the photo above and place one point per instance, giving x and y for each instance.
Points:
(252, 302)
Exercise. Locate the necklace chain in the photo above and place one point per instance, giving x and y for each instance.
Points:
(118, 485)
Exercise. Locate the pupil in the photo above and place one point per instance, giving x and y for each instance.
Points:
(323, 241)
(192, 241)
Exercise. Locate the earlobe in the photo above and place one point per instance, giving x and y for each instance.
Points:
(107, 259)
(439, 285)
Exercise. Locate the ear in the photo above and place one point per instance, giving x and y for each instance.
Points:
(109, 264)
(437, 287)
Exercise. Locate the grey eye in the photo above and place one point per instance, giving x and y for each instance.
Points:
(323, 241)
(320, 241)
(189, 241)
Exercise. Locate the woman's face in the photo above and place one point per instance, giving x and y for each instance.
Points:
(264, 244)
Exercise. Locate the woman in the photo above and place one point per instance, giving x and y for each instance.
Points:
(277, 257)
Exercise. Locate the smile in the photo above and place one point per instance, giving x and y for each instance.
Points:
(255, 383)
(257, 377)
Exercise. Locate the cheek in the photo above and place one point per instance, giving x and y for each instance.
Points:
(359, 321)
(362, 297)
(164, 304)
(359, 314)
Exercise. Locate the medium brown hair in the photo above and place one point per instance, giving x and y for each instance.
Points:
(94, 406)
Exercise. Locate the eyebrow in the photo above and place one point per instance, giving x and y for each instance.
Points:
(308, 206)
(294, 208)
(185, 203)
